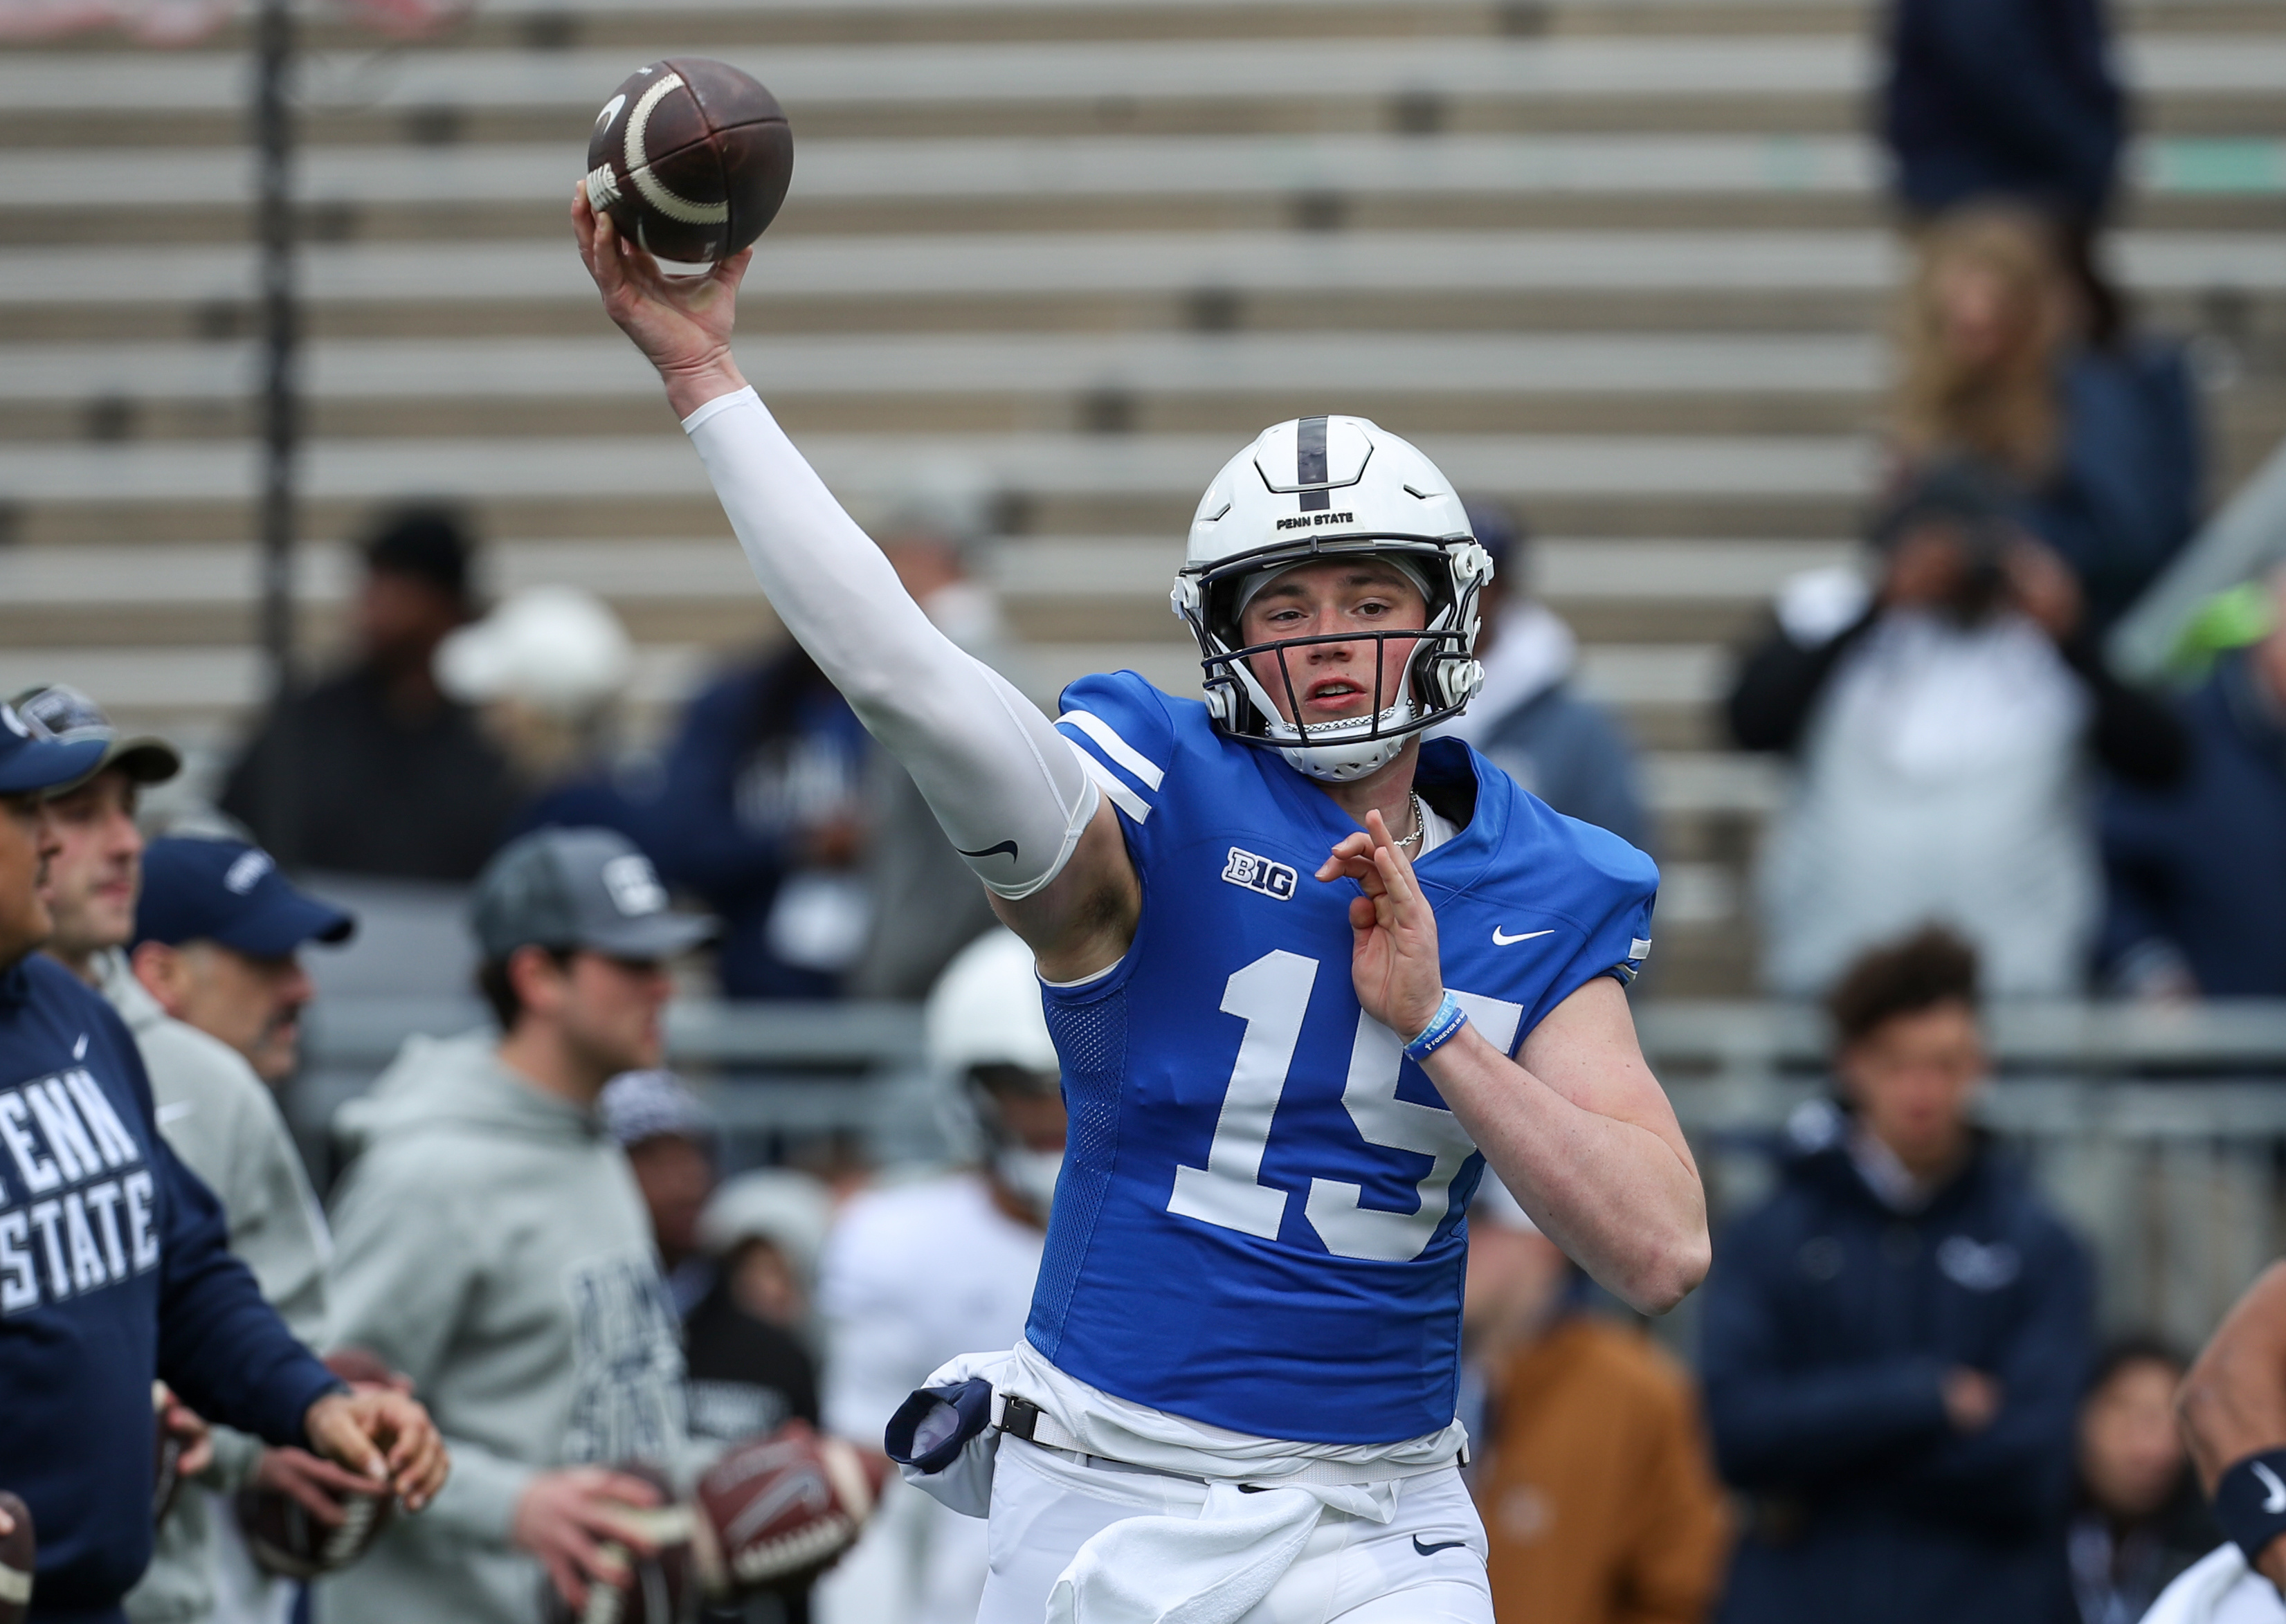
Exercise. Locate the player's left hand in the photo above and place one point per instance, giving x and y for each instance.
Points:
(383, 1436)
(1393, 960)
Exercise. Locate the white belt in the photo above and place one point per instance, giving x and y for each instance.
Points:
(1023, 1418)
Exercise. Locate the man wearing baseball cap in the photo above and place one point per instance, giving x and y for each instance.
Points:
(213, 1110)
(92, 883)
(114, 1268)
(492, 1244)
(213, 992)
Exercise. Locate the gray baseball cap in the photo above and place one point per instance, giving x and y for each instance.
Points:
(579, 888)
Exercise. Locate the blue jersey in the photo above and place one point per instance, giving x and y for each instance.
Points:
(1259, 1220)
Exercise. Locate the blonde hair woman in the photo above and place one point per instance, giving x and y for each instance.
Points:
(2103, 444)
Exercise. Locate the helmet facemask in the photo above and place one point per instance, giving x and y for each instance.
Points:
(1431, 680)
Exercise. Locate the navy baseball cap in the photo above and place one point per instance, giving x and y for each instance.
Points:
(226, 891)
(32, 758)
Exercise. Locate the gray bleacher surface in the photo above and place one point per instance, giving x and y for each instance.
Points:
(1625, 261)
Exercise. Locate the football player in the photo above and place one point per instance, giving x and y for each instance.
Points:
(1305, 976)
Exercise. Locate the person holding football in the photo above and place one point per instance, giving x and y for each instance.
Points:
(1306, 976)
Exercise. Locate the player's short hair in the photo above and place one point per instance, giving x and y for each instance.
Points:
(498, 988)
(1930, 967)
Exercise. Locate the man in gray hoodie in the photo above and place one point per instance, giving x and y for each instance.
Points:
(492, 1245)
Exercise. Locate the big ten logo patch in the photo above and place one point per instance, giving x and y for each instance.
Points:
(1272, 879)
(78, 1206)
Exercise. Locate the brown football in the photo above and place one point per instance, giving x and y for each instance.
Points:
(659, 1588)
(18, 1552)
(283, 1538)
(690, 158)
(776, 1510)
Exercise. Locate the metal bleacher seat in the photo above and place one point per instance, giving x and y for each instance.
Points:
(1623, 261)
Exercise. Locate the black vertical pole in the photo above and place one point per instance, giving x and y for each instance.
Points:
(273, 134)
(273, 140)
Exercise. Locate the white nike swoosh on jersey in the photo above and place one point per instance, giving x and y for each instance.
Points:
(1500, 941)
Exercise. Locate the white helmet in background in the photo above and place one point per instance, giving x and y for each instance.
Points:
(985, 1031)
(1316, 488)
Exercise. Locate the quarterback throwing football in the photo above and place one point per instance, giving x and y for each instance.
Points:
(1307, 975)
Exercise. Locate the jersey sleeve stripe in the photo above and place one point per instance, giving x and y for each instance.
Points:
(1110, 782)
(1117, 748)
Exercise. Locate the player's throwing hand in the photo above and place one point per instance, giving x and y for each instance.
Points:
(681, 324)
(1394, 959)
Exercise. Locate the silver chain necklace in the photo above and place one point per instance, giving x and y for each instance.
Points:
(1420, 821)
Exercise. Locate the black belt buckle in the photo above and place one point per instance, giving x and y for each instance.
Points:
(1020, 1418)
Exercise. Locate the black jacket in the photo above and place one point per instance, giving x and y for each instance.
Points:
(1831, 1322)
(114, 1268)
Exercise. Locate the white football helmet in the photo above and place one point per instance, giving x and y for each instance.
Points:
(1331, 487)
(984, 1030)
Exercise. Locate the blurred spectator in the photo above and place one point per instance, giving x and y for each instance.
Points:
(914, 1274)
(926, 903)
(751, 1366)
(2009, 98)
(762, 813)
(1895, 1342)
(751, 1369)
(739, 1260)
(1591, 1467)
(374, 771)
(2198, 871)
(493, 1245)
(1526, 718)
(672, 1143)
(2102, 446)
(2137, 1518)
(1940, 724)
(547, 669)
(214, 994)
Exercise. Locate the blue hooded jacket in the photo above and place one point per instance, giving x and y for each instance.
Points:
(114, 1269)
(1831, 1322)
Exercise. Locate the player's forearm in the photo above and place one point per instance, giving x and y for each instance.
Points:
(1613, 1194)
(1002, 781)
(2233, 1402)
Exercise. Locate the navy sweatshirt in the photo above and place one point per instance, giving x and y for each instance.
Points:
(1829, 1323)
(114, 1268)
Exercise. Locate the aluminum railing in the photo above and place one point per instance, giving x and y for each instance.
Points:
(2160, 1133)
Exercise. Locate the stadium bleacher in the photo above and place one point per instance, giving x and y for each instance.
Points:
(1623, 261)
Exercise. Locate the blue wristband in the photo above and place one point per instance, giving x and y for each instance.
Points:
(1443, 1026)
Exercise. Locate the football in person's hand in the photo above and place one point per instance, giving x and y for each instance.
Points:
(660, 1588)
(18, 1553)
(283, 1538)
(778, 1509)
(690, 158)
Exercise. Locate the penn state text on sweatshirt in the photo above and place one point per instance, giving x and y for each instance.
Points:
(114, 1269)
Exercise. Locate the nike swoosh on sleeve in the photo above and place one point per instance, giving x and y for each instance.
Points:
(1500, 941)
(1430, 1550)
(993, 851)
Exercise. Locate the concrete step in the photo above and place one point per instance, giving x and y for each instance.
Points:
(1225, 184)
(1314, 72)
(1470, 364)
(1417, 264)
(100, 180)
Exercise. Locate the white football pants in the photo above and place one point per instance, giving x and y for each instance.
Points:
(1426, 1566)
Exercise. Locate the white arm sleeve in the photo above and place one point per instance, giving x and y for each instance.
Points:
(1006, 786)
